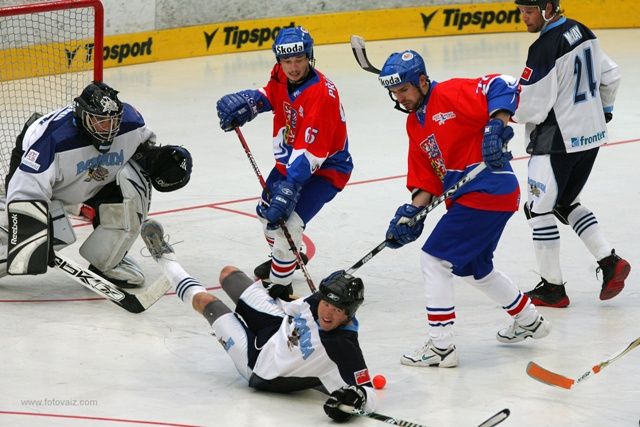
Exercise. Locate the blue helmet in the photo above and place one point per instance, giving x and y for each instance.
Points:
(293, 41)
(402, 67)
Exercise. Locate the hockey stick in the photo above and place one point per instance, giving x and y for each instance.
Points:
(282, 225)
(359, 51)
(423, 213)
(545, 376)
(132, 303)
(494, 420)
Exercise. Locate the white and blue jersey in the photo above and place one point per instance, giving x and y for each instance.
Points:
(61, 163)
(567, 85)
(278, 346)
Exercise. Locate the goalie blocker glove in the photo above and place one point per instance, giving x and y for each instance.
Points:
(353, 396)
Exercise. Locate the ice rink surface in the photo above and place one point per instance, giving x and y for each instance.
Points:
(69, 359)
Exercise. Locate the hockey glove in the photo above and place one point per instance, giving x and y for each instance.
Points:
(608, 117)
(494, 144)
(399, 232)
(284, 198)
(237, 109)
(275, 291)
(354, 396)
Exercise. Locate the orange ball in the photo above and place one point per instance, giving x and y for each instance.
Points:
(379, 381)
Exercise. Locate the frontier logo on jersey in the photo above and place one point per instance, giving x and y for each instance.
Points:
(362, 376)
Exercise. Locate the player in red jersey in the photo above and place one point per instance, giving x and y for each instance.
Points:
(454, 126)
(310, 146)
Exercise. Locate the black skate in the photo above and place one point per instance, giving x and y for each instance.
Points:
(614, 271)
(547, 294)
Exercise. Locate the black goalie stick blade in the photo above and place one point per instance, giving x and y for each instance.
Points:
(496, 418)
(133, 303)
(359, 51)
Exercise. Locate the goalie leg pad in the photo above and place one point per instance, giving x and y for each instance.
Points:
(120, 223)
(28, 246)
(63, 234)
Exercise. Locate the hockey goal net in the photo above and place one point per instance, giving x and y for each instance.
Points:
(49, 51)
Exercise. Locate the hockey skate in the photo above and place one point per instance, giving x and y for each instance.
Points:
(547, 294)
(430, 355)
(127, 274)
(540, 328)
(263, 270)
(152, 234)
(614, 271)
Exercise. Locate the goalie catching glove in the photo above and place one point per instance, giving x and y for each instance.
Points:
(354, 396)
(168, 166)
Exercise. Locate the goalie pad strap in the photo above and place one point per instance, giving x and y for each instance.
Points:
(28, 246)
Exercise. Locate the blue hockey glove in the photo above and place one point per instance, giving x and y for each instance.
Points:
(353, 395)
(399, 232)
(284, 197)
(237, 109)
(494, 144)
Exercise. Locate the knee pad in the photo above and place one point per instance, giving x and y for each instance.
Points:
(119, 222)
(562, 212)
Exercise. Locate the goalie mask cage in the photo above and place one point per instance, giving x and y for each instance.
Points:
(49, 51)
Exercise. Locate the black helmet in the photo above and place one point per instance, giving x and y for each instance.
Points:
(99, 112)
(344, 291)
(542, 4)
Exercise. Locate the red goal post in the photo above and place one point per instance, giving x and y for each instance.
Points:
(49, 51)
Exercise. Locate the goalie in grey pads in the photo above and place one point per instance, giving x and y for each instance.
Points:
(99, 152)
(281, 346)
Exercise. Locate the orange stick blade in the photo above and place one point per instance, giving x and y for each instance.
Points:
(545, 376)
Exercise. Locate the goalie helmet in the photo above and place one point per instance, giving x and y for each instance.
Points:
(402, 67)
(542, 4)
(343, 291)
(99, 112)
(293, 41)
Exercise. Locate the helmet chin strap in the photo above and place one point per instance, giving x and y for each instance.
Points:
(546, 21)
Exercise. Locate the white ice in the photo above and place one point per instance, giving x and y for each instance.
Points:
(163, 366)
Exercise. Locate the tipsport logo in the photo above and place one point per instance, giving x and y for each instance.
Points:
(455, 17)
(238, 37)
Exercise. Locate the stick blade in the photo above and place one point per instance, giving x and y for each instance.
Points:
(496, 418)
(357, 46)
(545, 376)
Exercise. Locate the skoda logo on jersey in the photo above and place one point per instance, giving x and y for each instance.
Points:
(391, 80)
(289, 48)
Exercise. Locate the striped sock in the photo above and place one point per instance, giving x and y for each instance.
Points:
(186, 286)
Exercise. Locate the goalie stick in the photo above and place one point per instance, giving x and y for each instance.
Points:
(133, 303)
(359, 51)
(423, 213)
(494, 420)
(545, 376)
(284, 228)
